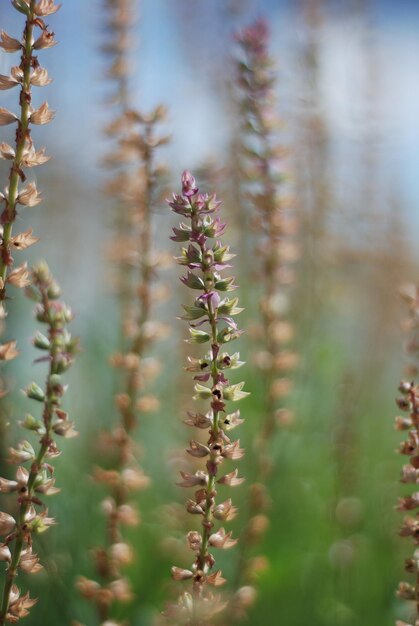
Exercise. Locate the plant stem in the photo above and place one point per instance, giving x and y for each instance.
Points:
(36, 466)
(22, 137)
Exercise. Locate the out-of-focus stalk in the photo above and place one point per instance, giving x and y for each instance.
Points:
(135, 186)
(313, 187)
(31, 484)
(263, 184)
(123, 476)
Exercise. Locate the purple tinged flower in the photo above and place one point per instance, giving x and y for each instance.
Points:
(229, 321)
(203, 378)
(181, 234)
(180, 205)
(204, 321)
(219, 227)
(193, 281)
(212, 299)
(194, 255)
(189, 187)
(207, 203)
(206, 261)
(214, 228)
(255, 36)
(213, 203)
(221, 379)
(221, 266)
(199, 238)
(201, 203)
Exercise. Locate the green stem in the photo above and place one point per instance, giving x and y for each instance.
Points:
(207, 521)
(34, 472)
(22, 136)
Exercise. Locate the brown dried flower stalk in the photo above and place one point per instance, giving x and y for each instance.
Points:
(31, 484)
(263, 178)
(408, 402)
(135, 188)
(313, 183)
(262, 182)
(119, 20)
(204, 263)
(23, 154)
(123, 477)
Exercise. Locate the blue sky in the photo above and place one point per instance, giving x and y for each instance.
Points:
(172, 72)
(165, 72)
(168, 71)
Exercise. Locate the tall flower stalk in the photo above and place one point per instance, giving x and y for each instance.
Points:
(408, 402)
(123, 476)
(135, 186)
(313, 184)
(23, 154)
(264, 185)
(210, 320)
(32, 483)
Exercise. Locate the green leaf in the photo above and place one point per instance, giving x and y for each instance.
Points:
(198, 336)
(193, 312)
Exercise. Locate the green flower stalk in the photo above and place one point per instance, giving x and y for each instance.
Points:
(211, 322)
(32, 483)
(263, 184)
(23, 154)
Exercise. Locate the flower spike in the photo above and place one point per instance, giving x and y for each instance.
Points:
(32, 484)
(213, 312)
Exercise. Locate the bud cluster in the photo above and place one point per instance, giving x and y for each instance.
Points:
(31, 484)
(211, 322)
(23, 154)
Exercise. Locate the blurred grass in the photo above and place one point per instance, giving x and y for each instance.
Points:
(303, 583)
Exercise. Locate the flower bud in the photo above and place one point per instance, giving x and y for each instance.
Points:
(21, 6)
(7, 524)
(35, 392)
(41, 342)
(5, 554)
(31, 423)
(181, 574)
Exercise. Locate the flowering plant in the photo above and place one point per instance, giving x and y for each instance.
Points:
(211, 322)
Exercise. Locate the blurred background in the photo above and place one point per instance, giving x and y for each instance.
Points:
(348, 97)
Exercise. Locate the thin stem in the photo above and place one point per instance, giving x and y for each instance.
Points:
(26, 497)
(22, 137)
